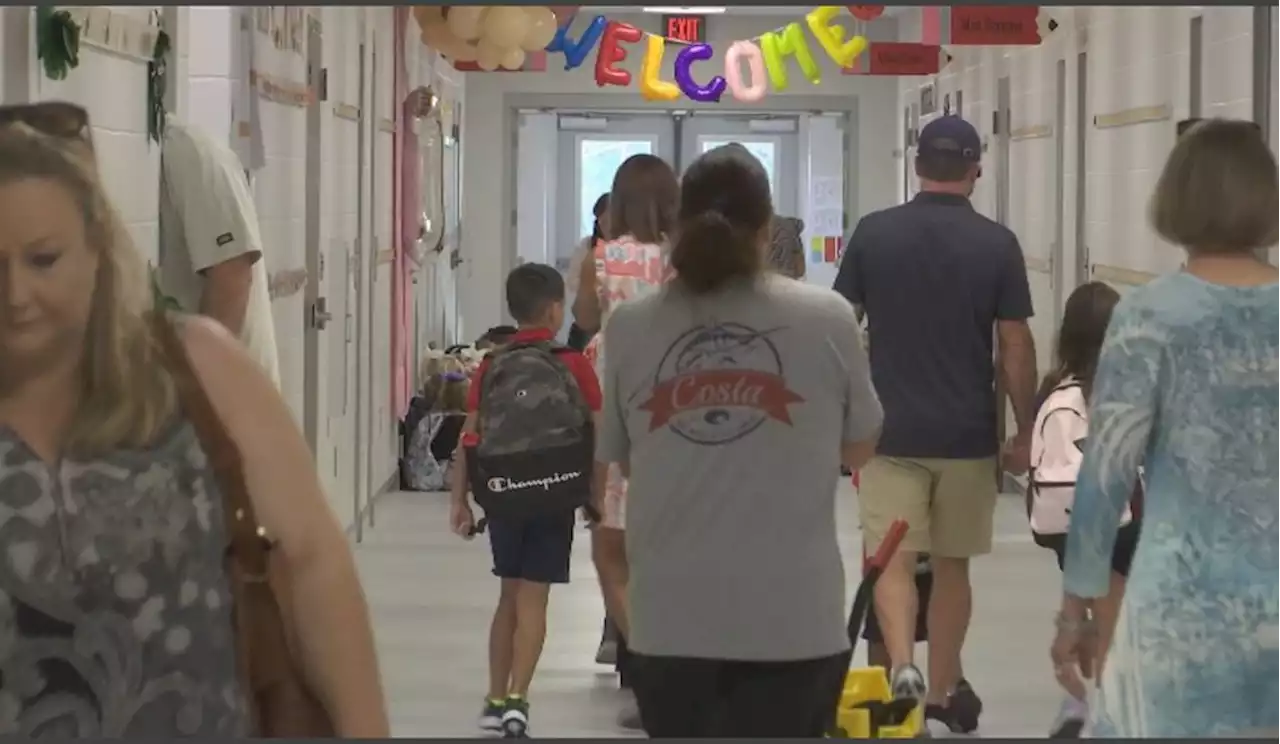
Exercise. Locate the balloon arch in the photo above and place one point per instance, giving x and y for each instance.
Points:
(492, 37)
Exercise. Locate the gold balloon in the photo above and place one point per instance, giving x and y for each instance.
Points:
(465, 52)
(436, 36)
(488, 55)
(466, 21)
(513, 58)
(541, 29)
(505, 25)
(428, 15)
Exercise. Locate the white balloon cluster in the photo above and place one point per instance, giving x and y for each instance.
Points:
(492, 36)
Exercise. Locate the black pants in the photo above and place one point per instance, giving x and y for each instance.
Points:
(709, 698)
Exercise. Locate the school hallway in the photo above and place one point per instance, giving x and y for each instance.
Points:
(432, 597)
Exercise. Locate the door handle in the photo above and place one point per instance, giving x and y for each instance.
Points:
(320, 315)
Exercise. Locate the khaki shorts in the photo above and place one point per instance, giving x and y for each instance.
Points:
(949, 505)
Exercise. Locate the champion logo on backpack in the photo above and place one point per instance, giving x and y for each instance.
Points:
(503, 485)
(537, 438)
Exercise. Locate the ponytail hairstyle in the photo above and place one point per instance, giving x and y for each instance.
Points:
(1084, 326)
(725, 213)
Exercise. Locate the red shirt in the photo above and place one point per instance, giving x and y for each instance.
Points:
(582, 371)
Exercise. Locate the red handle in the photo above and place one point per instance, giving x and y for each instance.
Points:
(897, 531)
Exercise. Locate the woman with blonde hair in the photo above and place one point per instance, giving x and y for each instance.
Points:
(115, 600)
(1186, 387)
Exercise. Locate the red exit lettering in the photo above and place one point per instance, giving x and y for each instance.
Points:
(688, 29)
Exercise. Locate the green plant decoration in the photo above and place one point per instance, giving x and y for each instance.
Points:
(161, 302)
(157, 74)
(57, 41)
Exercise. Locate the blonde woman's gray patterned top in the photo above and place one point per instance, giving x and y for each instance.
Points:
(114, 607)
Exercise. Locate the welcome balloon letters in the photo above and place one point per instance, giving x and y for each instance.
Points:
(771, 55)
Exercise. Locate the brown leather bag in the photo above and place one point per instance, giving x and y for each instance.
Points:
(280, 703)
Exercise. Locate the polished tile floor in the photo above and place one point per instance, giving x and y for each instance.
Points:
(432, 597)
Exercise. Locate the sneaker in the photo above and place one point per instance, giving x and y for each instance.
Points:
(607, 653)
(515, 718)
(1071, 719)
(939, 721)
(629, 716)
(907, 682)
(966, 707)
(491, 716)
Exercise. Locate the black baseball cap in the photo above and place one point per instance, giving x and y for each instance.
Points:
(950, 135)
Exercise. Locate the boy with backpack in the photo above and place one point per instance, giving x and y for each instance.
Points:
(527, 455)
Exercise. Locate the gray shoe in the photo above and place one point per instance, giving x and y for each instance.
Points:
(629, 717)
(907, 682)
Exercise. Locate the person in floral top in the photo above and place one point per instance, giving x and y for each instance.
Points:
(630, 262)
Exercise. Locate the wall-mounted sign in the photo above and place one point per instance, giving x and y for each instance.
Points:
(691, 29)
(995, 25)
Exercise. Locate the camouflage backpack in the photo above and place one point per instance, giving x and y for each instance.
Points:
(537, 441)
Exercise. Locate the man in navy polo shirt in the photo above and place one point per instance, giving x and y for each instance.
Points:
(938, 282)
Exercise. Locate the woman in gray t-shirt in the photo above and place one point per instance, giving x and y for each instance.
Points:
(733, 395)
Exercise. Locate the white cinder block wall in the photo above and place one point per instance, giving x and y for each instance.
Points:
(113, 88)
(356, 437)
(1137, 57)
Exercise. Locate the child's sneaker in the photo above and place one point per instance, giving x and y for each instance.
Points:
(1071, 719)
(491, 716)
(907, 682)
(515, 718)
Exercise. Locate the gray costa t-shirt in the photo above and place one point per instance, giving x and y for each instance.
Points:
(731, 410)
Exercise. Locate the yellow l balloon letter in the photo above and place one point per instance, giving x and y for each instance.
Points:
(651, 88)
(790, 42)
(831, 36)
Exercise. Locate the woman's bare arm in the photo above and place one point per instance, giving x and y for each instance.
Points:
(335, 640)
(586, 304)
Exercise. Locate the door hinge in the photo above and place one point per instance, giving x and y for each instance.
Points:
(322, 92)
(995, 122)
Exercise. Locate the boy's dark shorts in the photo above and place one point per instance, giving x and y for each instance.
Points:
(536, 549)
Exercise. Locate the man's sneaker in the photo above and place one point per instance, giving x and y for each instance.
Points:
(491, 716)
(607, 653)
(515, 718)
(966, 707)
(1071, 719)
(939, 721)
(907, 682)
(629, 716)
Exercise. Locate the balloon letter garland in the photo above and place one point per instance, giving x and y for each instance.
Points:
(575, 53)
(709, 93)
(739, 52)
(651, 87)
(611, 53)
(768, 60)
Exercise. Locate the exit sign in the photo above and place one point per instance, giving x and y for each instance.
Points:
(690, 29)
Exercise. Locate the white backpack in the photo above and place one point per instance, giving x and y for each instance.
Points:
(1056, 452)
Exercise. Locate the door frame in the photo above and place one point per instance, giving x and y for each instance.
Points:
(314, 300)
(362, 282)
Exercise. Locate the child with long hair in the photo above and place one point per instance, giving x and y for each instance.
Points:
(1056, 453)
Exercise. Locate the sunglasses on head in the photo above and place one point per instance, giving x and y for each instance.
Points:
(55, 119)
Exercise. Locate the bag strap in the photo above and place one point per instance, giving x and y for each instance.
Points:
(246, 540)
